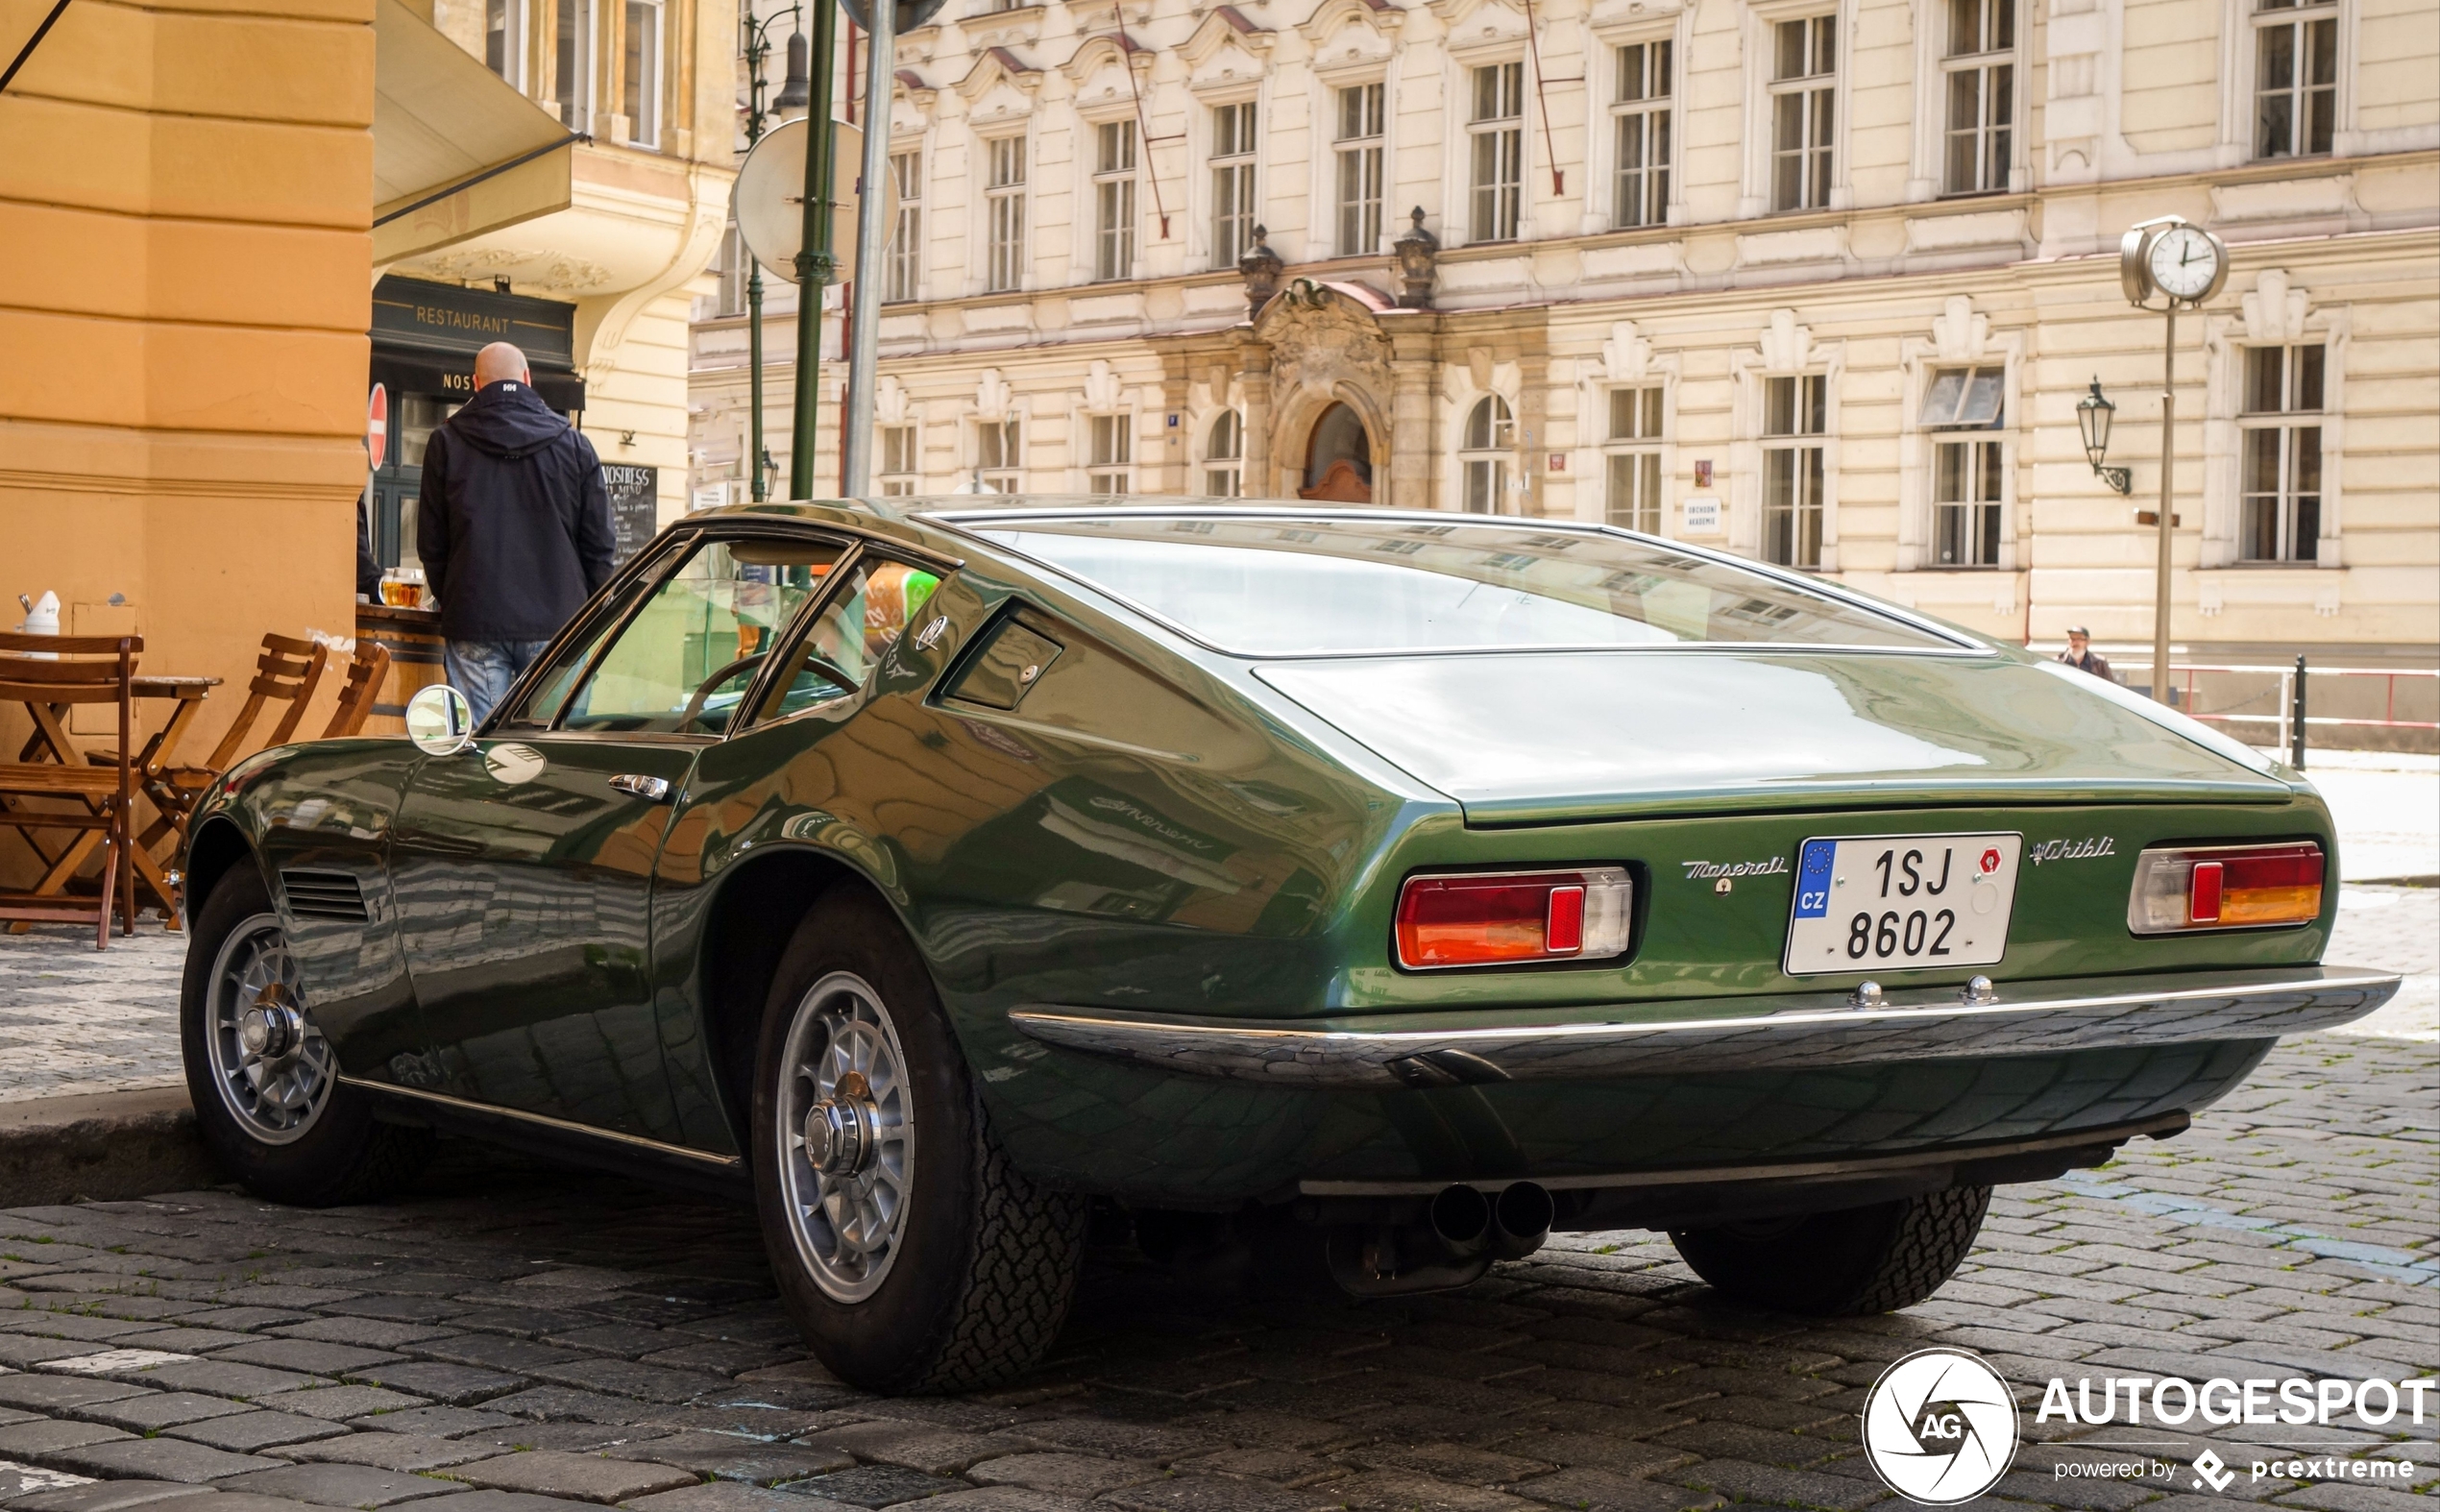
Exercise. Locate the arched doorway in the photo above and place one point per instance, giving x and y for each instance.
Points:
(1338, 459)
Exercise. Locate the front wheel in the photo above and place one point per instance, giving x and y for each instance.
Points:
(911, 1253)
(265, 1081)
(1847, 1263)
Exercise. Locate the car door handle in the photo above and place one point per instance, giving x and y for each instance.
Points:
(653, 790)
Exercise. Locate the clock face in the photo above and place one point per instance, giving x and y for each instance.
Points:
(2184, 263)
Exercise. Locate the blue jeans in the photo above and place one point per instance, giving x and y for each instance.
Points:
(483, 670)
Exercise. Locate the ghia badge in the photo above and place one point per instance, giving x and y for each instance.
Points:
(1705, 870)
(2086, 849)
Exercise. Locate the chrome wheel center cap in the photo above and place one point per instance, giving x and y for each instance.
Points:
(842, 1131)
(272, 1029)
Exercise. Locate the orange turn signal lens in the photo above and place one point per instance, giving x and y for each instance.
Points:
(1477, 918)
(2225, 887)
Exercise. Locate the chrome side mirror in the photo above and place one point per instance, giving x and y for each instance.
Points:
(439, 720)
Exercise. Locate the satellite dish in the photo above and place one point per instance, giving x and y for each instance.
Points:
(769, 197)
(912, 13)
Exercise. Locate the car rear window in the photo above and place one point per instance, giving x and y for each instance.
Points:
(1293, 586)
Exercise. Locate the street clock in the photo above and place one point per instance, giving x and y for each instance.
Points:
(2184, 263)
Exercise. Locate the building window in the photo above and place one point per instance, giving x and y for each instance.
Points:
(572, 72)
(504, 39)
(640, 82)
(1632, 452)
(1966, 472)
(1115, 200)
(1497, 129)
(1004, 195)
(906, 235)
(1795, 415)
(2295, 78)
(1804, 102)
(2281, 459)
(1224, 456)
(1491, 438)
(733, 256)
(1233, 141)
(1981, 72)
(899, 460)
(1110, 455)
(997, 468)
(1361, 119)
(1642, 113)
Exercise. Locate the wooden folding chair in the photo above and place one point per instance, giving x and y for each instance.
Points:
(365, 676)
(288, 671)
(47, 674)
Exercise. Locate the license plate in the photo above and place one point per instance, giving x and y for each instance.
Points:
(1901, 902)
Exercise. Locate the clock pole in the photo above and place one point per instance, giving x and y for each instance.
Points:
(2160, 689)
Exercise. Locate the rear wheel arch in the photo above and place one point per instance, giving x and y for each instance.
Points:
(756, 907)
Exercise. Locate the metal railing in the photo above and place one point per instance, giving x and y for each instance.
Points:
(2289, 715)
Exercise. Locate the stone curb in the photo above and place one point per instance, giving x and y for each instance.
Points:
(101, 1147)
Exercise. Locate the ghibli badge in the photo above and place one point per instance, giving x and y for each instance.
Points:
(2086, 849)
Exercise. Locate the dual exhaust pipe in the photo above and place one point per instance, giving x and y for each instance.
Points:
(1508, 1227)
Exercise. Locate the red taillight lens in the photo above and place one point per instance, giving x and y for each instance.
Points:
(2225, 887)
(1487, 918)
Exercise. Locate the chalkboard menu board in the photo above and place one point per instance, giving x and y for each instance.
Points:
(635, 503)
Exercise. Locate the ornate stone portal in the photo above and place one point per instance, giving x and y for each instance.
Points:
(1313, 347)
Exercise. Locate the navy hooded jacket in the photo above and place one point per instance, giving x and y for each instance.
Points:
(513, 523)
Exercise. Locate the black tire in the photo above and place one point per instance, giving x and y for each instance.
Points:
(1847, 1263)
(979, 1277)
(342, 1155)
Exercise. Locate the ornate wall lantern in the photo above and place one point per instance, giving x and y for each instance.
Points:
(1418, 251)
(2094, 414)
(1260, 267)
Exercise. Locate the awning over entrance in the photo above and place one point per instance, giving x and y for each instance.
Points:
(457, 150)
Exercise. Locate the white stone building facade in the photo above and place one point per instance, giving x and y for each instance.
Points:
(1817, 281)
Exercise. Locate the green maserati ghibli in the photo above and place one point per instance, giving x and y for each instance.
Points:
(1342, 890)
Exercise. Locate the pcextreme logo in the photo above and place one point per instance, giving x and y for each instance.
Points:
(1940, 1426)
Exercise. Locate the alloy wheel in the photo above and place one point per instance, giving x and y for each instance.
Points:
(274, 1070)
(845, 1132)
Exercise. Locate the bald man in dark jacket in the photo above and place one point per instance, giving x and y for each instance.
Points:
(513, 525)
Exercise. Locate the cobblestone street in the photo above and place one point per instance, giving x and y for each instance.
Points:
(515, 1338)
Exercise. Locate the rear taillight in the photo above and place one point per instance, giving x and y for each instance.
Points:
(1478, 918)
(2225, 887)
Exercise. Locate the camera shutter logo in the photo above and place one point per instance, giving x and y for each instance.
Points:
(1940, 1426)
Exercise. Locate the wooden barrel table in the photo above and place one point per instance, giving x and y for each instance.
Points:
(413, 637)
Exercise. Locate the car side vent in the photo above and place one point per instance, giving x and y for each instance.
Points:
(324, 895)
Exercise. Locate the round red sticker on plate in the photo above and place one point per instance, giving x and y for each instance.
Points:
(1990, 858)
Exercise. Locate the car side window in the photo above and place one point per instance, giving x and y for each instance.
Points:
(683, 662)
(538, 710)
(854, 632)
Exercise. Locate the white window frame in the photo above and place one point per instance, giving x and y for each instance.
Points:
(1759, 34)
(1357, 223)
(1107, 450)
(1921, 363)
(642, 70)
(1235, 177)
(2287, 422)
(1006, 267)
(899, 449)
(574, 68)
(904, 284)
(1222, 473)
(512, 65)
(1646, 445)
(1486, 474)
(1116, 173)
(1943, 65)
(1809, 406)
(1496, 210)
(1654, 55)
(2301, 21)
(2240, 85)
(999, 470)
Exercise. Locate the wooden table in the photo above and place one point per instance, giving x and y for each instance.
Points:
(413, 637)
(51, 742)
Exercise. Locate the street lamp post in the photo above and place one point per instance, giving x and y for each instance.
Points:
(2187, 265)
(872, 240)
(2094, 414)
(815, 263)
(756, 44)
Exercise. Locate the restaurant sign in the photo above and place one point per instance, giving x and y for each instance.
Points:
(443, 317)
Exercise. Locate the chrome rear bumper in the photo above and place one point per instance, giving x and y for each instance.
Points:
(1687, 1037)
